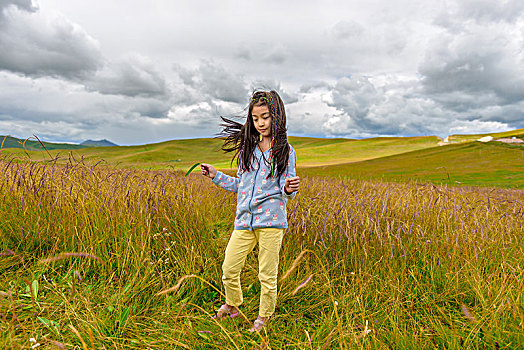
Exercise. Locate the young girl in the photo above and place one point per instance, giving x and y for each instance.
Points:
(265, 180)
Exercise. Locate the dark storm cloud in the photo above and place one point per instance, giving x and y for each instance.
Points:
(477, 64)
(37, 46)
(477, 61)
(356, 96)
(21, 4)
(490, 11)
(132, 76)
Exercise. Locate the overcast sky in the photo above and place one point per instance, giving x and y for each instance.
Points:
(137, 72)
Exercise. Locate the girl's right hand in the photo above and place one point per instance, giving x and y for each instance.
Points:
(208, 170)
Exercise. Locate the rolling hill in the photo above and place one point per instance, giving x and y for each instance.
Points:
(389, 158)
(473, 137)
(469, 163)
(184, 153)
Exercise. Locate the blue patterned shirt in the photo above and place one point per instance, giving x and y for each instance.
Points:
(261, 199)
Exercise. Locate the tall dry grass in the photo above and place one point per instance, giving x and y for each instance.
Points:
(100, 257)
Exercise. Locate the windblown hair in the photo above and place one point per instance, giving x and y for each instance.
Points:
(243, 138)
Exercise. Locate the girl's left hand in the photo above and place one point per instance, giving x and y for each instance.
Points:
(292, 184)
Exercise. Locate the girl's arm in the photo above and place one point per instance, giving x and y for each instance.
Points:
(229, 183)
(289, 181)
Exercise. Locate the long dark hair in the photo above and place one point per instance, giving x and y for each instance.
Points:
(243, 138)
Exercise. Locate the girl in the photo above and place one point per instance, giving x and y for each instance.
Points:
(265, 180)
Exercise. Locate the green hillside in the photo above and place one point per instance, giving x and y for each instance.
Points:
(345, 151)
(183, 153)
(32, 144)
(462, 138)
(170, 154)
(472, 163)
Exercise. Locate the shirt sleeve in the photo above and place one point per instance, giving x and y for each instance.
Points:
(290, 172)
(228, 183)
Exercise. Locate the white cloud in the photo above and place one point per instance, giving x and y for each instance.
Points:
(148, 72)
(476, 126)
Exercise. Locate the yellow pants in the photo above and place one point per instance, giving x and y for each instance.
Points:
(240, 245)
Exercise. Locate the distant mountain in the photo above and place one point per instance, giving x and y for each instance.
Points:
(32, 144)
(98, 143)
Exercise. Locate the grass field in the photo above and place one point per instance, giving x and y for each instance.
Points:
(87, 251)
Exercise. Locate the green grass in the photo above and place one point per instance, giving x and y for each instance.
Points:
(357, 150)
(473, 163)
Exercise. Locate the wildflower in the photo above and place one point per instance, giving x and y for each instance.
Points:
(469, 315)
(306, 281)
(336, 303)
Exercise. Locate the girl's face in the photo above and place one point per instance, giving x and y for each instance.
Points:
(262, 120)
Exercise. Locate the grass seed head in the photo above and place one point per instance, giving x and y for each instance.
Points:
(303, 284)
